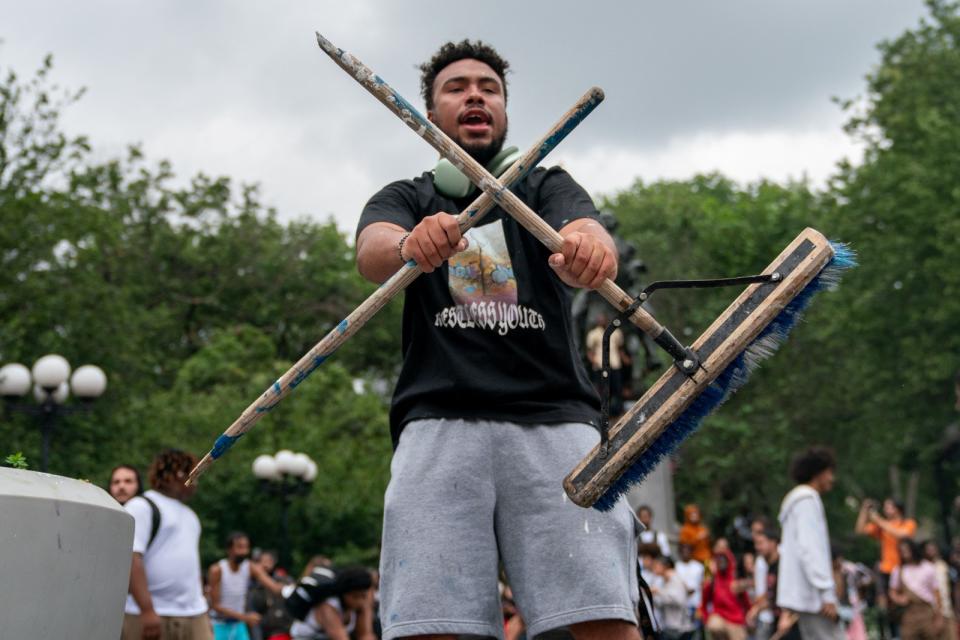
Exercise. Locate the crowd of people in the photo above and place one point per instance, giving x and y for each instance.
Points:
(770, 578)
(783, 580)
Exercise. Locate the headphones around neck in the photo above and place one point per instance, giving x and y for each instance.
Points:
(451, 182)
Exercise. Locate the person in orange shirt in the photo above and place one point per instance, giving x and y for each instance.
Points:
(889, 528)
(694, 534)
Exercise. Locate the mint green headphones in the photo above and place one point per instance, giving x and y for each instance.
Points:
(451, 182)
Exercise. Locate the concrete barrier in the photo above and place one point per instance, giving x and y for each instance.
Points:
(65, 550)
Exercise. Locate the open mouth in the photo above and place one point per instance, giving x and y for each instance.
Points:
(476, 120)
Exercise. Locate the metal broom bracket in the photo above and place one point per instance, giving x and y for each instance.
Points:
(684, 358)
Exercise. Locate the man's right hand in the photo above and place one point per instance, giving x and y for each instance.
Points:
(150, 625)
(252, 618)
(433, 240)
(829, 611)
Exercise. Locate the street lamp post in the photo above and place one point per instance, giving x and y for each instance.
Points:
(52, 385)
(285, 474)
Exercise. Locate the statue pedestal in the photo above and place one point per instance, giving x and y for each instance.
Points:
(65, 551)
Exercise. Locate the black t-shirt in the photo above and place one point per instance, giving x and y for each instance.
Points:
(489, 334)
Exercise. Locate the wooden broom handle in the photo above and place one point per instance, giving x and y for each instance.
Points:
(477, 174)
(394, 285)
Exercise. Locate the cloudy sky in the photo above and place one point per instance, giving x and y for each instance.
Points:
(240, 88)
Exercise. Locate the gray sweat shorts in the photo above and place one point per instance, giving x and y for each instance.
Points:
(465, 494)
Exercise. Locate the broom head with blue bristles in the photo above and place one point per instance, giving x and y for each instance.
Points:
(749, 331)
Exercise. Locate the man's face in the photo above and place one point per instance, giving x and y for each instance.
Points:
(829, 477)
(757, 532)
(469, 106)
(645, 517)
(268, 562)
(761, 544)
(123, 485)
(240, 549)
(825, 480)
(659, 568)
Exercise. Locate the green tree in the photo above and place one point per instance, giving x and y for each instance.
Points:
(870, 371)
(901, 209)
(193, 299)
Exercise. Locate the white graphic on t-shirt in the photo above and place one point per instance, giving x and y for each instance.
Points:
(483, 285)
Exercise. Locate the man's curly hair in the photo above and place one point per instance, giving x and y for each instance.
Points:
(452, 52)
(171, 465)
(808, 464)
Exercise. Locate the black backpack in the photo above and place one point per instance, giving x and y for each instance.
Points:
(154, 520)
(311, 591)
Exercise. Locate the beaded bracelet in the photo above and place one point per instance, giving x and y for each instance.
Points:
(403, 239)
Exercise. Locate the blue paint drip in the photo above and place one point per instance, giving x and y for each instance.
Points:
(342, 327)
(276, 388)
(402, 103)
(302, 375)
(223, 444)
(732, 378)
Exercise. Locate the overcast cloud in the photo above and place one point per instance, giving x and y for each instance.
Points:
(240, 88)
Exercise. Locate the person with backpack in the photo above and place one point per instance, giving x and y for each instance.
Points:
(166, 592)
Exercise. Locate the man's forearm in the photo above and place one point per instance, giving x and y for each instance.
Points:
(265, 579)
(226, 612)
(378, 255)
(138, 585)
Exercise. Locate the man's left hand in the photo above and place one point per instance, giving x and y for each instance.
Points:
(584, 261)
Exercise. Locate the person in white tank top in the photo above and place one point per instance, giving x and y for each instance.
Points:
(229, 580)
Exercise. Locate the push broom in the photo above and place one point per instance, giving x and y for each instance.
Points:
(704, 375)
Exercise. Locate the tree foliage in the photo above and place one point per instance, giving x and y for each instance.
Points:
(193, 298)
(871, 370)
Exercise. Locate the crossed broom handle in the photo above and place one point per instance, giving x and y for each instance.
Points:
(494, 193)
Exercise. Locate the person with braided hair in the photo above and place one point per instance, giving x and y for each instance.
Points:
(166, 592)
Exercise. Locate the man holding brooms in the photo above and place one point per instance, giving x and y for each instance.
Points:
(492, 406)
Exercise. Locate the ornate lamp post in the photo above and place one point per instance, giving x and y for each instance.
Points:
(52, 385)
(285, 474)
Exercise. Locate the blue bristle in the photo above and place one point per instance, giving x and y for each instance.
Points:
(732, 378)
